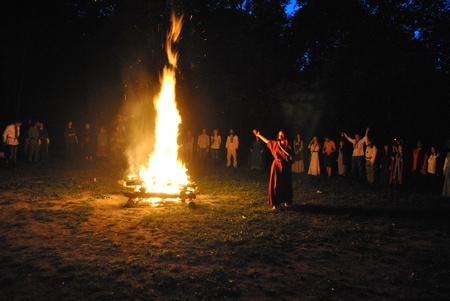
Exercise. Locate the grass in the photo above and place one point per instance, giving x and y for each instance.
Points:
(67, 237)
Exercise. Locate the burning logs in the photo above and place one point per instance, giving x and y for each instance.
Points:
(130, 183)
(187, 194)
(183, 195)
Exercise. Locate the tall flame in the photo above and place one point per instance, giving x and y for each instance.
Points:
(165, 172)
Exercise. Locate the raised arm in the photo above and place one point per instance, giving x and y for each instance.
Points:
(257, 134)
(351, 140)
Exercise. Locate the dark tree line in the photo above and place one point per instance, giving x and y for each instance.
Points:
(334, 65)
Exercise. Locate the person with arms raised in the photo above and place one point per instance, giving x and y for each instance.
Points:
(280, 183)
(358, 156)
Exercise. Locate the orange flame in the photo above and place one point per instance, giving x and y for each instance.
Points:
(165, 173)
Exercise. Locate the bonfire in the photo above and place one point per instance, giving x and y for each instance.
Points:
(164, 177)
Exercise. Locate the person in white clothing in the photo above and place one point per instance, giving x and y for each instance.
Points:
(232, 145)
(358, 154)
(216, 141)
(11, 140)
(314, 160)
(433, 174)
(431, 161)
(371, 154)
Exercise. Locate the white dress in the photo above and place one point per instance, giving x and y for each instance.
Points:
(314, 163)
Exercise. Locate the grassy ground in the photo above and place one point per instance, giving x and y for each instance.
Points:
(66, 235)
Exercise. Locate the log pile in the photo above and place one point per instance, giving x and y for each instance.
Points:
(186, 195)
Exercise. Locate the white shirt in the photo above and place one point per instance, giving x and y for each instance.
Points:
(9, 135)
(216, 141)
(232, 142)
(358, 147)
(371, 153)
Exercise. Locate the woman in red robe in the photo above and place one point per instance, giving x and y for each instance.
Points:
(280, 183)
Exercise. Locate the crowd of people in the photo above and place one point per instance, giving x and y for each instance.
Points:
(422, 170)
(208, 148)
(34, 142)
(93, 143)
(393, 166)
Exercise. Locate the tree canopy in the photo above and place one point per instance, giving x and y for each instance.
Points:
(333, 65)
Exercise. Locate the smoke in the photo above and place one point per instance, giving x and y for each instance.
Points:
(139, 117)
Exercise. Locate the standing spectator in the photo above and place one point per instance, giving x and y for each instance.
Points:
(371, 155)
(298, 166)
(45, 142)
(216, 141)
(397, 170)
(203, 144)
(88, 143)
(342, 160)
(102, 142)
(446, 173)
(329, 147)
(280, 183)
(358, 154)
(232, 145)
(118, 140)
(314, 161)
(386, 159)
(440, 169)
(11, 139)
(33, 143)
(257, 154)
(431, 161)
(71, 139)
(432, 172)
(188, 148)
(418, 167)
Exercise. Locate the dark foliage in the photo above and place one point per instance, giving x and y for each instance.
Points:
(332, 66)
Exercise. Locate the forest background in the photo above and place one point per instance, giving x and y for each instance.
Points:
(327, 66)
